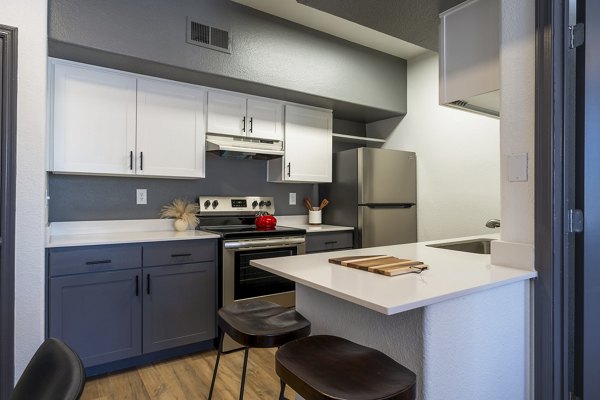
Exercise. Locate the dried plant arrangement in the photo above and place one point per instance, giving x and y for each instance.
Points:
(181, 209)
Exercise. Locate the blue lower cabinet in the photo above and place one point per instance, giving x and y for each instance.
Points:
(98, 314)
(179, 305)
(117, 309)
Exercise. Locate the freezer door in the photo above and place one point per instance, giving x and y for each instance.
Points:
(382, 226)
(386, 176)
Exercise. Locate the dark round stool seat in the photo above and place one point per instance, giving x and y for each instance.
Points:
(258, 323)
(329, 367)
(262, 324)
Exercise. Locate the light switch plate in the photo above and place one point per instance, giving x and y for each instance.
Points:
(141, 196)
(292, 199)
(517, 167)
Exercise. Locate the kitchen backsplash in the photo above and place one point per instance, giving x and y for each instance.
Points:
(90, 198)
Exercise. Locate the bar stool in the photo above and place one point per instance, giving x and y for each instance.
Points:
(333, 368)
(260, 324)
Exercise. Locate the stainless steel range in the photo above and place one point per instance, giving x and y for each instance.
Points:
(241, 241)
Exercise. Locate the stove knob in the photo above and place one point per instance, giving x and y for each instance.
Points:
(206, 203)
(268, 204)
(262, 203)
(215, 203)
(254, 204)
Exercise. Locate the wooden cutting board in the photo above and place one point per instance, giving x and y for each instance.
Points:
(381, 264)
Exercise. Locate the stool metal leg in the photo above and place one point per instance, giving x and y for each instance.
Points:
(212, 384)
(282, 392)
(244, 372)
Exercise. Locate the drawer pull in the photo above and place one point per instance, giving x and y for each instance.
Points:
(137, 285)
(98, 262)
(181, 255)
(148, 284)
(331, 242)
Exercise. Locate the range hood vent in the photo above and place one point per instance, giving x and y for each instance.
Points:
(486, 104)
(243, 148)
(208, 36)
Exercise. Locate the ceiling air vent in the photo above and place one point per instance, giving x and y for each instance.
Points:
(208, 36)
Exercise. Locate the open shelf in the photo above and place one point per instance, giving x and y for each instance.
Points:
(355, 139)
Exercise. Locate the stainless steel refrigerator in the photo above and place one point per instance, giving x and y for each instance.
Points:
(374, 190)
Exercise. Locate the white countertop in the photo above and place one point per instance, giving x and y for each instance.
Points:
(451, 274)
(301, 222)
(89, 233)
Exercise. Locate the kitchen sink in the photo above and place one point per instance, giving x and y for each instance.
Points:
(479, 246)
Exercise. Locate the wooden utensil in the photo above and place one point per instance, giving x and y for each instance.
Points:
(308, 204)
(323, 204)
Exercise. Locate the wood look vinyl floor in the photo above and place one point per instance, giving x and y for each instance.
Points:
(189, 378)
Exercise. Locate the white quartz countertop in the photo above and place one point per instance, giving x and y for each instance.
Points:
(89, 233)
(301, 222)
(451, 274)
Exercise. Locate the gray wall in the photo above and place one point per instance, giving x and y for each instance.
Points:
(81, 198)
(270, 56)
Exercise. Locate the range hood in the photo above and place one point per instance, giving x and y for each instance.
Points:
(242, 147)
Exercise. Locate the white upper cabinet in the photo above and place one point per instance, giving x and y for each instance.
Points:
(470, 56)
(308, 146)
(170, 132)
(226, 114)
(237, 115)
(93, 120)
(265, 119)
(116, 123)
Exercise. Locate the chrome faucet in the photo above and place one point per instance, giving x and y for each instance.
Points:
(493, 223)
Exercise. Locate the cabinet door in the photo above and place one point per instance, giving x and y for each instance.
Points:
(470, 51)
(93, 120)
(308, 144)
(179, 305)
(226, 114)
(98, 314)
(170, 133)
(265, 119)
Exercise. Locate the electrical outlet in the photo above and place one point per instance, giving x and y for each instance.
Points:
(292, 199)
(141, 196)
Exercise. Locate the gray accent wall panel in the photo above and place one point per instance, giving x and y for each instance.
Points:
(269, 55)
(91, 198)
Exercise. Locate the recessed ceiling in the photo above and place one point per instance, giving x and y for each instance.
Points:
(322, 21)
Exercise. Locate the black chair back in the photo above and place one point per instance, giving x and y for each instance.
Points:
(55, 372)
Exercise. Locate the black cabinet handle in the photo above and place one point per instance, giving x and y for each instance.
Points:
(131, 160)
(98, 262)
(289, 168)
(244, 124)
(250, 124)
(181, 255)
(141, 160)
(148, 284)
(137, 285)
(331, 242)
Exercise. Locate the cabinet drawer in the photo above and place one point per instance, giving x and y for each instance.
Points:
(81, 260)
(182, 252)
(328, 241)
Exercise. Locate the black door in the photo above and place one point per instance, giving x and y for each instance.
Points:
(8, 119)
(587, 289)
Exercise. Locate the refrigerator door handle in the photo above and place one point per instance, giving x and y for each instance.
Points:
(389, 205)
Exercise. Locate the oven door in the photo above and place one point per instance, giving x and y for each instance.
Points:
(241, 281)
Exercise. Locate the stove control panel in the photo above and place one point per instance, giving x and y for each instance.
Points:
(230, 205)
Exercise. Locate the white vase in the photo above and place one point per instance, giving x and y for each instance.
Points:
(180, 225)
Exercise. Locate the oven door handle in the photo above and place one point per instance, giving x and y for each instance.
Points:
(248, 244)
